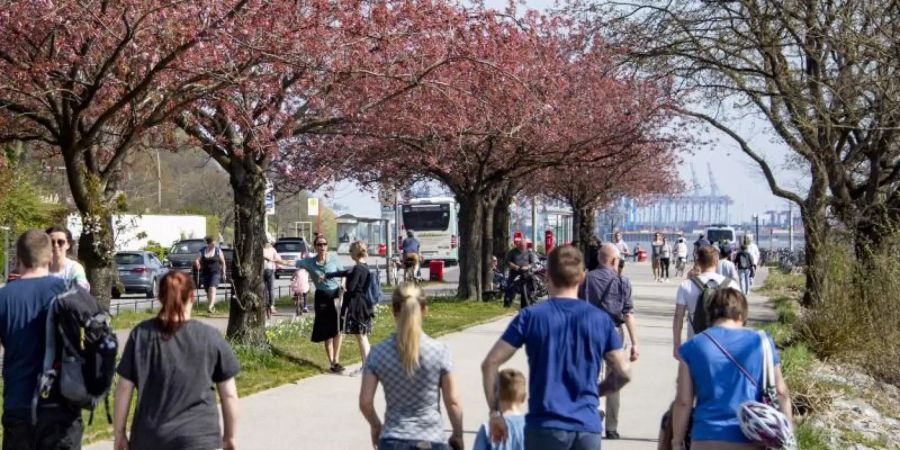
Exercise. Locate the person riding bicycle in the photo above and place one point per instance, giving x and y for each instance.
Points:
(411, 255)
(520, 260)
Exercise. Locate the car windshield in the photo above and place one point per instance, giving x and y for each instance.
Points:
(123, 259)
(290, 247)
(187, 247)
(719, 235)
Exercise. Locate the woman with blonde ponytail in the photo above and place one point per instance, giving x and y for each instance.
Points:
(415, 372)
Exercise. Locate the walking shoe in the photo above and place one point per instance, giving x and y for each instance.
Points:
(305, 310)
(612, 435)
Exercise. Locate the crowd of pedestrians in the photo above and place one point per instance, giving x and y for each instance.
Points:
(580, 344)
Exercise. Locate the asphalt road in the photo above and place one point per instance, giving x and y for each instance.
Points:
(282, 286)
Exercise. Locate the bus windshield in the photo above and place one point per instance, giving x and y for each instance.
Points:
(427, 217)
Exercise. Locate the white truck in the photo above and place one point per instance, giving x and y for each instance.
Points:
(133, 232)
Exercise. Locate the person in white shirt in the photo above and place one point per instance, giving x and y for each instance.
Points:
(271, 261)
(681, 254)
(622, 247)
(60, 265)
(725, 267)
(753, 250)
(689, 293)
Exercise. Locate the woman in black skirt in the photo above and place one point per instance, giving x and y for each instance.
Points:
(325, 324)
(356, 312)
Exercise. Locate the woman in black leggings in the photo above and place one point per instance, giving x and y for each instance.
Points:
(665, 257)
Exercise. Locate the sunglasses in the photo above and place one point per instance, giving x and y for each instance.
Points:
(321, 244)
(59, 242)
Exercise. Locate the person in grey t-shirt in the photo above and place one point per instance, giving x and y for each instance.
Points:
(415, 372)
(176, 405)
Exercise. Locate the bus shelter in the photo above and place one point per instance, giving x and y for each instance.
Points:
(351, 228)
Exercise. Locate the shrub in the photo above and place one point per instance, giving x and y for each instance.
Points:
(857, 319)
(157, 248)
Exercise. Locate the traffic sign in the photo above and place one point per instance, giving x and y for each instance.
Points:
(312, 206)
(388, 212)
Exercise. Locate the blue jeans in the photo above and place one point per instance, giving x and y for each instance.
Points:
(547, 438)
(403, 444)
(744, 278)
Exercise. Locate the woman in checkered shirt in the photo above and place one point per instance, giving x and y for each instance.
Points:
(415, 372)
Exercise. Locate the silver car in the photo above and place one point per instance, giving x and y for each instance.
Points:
(139, 272)
(290, 249)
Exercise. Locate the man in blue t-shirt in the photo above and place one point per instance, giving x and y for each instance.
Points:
(24, 304)
(566, 340)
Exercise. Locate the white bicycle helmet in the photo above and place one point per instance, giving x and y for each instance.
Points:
(766, 425)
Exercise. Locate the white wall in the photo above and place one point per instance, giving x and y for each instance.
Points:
(165, 230)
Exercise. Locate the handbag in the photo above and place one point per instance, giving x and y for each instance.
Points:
(769, 391)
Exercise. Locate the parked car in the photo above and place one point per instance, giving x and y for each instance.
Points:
(290, 249)
(182, 255)
(139, 272)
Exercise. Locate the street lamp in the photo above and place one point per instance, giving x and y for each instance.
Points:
(756, 220)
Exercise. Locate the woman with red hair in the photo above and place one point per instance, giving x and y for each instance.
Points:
(174, 362)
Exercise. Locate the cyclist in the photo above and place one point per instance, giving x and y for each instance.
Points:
(520, 260)
(411, 255)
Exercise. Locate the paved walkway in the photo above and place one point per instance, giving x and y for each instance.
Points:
(321, 412)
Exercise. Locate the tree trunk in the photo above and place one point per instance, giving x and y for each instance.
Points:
(487, 244)
(502, 216)
(246, 319)
(96, 245)
(583, 225)
(875, 231)
(96, 248)
(815, 226)
(471, 211)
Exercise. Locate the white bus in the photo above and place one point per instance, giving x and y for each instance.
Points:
(434, 222)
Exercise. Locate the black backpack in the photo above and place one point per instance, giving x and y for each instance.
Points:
(80, 358)
(700, 318)
(744, 261)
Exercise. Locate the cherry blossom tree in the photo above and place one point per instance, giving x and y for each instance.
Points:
(522, 98)
(87, 80)
(639, 171)
(319, 66)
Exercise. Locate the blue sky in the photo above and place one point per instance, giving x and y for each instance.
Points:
(736, 174)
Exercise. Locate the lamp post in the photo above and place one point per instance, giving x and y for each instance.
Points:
(756, 232)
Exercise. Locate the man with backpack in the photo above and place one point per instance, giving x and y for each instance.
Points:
(745, 268)
(695, 294)
(31, 421)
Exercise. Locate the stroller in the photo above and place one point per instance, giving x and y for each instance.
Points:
(300, 288)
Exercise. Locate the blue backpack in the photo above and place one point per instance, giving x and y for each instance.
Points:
(373, 292)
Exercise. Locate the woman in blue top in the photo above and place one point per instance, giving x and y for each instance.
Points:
(325, 325)
(713, 385)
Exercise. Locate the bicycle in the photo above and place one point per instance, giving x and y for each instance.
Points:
(410, 267)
